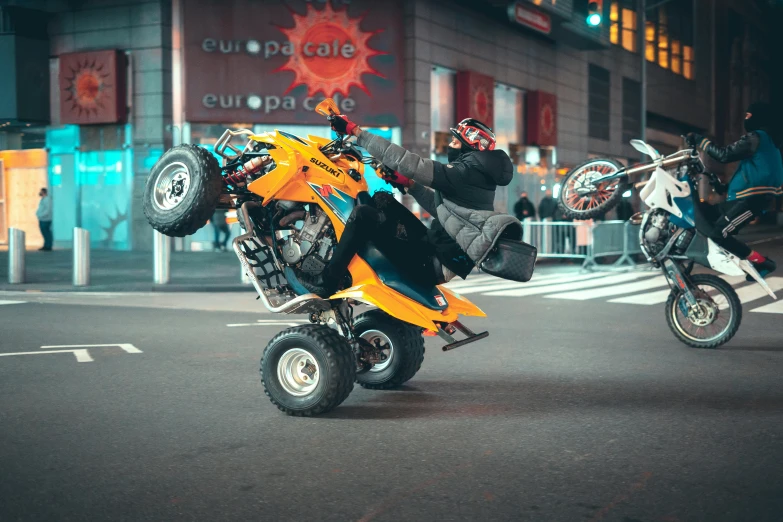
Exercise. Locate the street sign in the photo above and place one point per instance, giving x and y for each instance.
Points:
(529, 17)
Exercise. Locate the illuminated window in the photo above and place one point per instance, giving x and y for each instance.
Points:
(687, 62)
(649, 36)
(614, 28)
(676, 57)
(663, 40)
(629, 30)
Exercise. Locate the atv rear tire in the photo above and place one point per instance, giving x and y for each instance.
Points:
(406, 350)
(182, 191)
(308, 370)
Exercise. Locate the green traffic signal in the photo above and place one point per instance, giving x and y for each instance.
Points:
(594, 19)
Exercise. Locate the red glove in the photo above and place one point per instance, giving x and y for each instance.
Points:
(342, 125)
(395, 178)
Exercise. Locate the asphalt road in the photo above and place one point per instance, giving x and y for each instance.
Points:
(570, 410)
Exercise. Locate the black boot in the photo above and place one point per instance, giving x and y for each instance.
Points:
(319, 284)
(764, 268)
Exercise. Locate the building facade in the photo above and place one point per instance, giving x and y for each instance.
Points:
(128, 79)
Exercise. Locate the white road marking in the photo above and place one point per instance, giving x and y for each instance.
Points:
(649, 298)
(754, 291)
(11, 302)
(271, 322)
(81, 355)
(129, 348)
(571, 286)
(604, 291)
(775, 307)
(509, 285)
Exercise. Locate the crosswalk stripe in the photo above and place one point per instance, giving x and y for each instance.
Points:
(605, 291)
(508, 285)
(11, 302)
(754, 291)
(648, 298)
(775, 307)
(546, 289)
(492, 280)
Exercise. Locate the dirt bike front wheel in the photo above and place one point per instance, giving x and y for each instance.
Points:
(581, 198)
(718, 316)
(182, 191)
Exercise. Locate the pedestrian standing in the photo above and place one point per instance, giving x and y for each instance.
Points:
(547, 207)
(219, 224)
(44, 215)
(524, 208)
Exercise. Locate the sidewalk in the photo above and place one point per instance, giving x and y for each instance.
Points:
(113, 271)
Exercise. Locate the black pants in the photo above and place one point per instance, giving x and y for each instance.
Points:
(46, 232)
(720, 222)
(395, 231)
(218, 229)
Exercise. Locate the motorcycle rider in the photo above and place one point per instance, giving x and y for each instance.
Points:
(459, 195)
(758, 179)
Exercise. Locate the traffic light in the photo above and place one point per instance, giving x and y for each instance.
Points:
(595, 11)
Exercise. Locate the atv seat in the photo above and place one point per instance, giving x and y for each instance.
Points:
(394, 279)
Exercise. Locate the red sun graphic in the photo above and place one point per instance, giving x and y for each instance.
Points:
(331, 52)
(481, 103)
(86, 87)
(547, 120)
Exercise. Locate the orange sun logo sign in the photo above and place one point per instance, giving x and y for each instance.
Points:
(332, 52)
(86, 85)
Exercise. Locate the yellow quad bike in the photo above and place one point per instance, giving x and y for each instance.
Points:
(293, 197)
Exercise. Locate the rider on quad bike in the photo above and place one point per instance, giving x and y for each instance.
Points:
(459, 195)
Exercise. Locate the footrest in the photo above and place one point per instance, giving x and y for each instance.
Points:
(467, 340)
(445, 334)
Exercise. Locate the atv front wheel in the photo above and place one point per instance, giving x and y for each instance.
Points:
(182, 191)
(308, 370)
(401, 342)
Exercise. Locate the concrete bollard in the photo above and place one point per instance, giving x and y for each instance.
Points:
(16, 268)
(161, 253)
(81, 257)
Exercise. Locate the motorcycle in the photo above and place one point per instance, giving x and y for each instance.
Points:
(703, 310)
(293, 197)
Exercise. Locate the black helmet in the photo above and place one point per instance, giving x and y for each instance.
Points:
(761, 116)
(474, 135)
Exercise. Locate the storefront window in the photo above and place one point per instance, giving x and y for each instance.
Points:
(649, 36)
(629, 30)
(508, 116)
(443, 109)
(687, 62)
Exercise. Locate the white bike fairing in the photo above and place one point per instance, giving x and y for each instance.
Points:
(661, 190)
(723, 261)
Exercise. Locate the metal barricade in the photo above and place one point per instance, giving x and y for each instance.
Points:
(557, 239)
(618, 239)
(16, 268)
(81, 257)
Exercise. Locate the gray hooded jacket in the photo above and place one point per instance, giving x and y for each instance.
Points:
(460, 194)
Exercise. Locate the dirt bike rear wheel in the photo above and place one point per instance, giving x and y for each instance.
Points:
(182, 191)
(308, 370)
(405, 350)
(580, 199)
(722, 313)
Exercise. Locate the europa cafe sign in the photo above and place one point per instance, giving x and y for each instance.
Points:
(272, 61)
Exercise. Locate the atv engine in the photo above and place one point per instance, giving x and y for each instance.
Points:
(305, 238)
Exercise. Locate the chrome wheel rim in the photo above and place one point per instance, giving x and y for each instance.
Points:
(172, 186)
(712, 319)
(372, 336)
(580, 194)
(298, 372)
